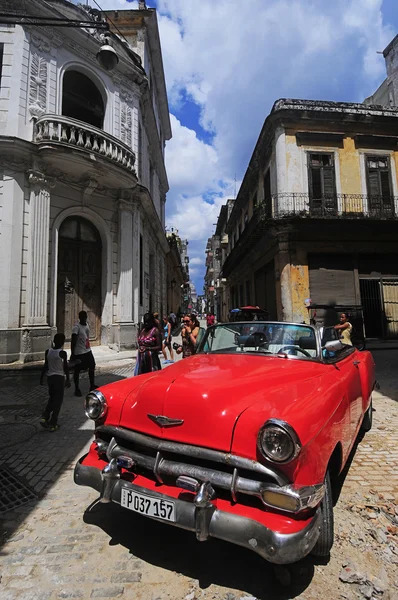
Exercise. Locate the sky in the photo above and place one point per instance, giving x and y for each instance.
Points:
(227, 61)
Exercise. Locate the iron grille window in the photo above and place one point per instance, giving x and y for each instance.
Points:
(322, 183)
(379, 184)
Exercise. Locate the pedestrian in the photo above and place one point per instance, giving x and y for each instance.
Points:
(56, 367)
(81, 351)
(344, 329)
(167, 339)
(157, 320)
(149, 344)
(210, 319)
(189, 333)
(173, 321)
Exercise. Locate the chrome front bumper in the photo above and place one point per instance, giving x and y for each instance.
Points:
(207, 521)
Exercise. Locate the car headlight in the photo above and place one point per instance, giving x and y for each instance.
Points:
(278, 441)
(95, 406)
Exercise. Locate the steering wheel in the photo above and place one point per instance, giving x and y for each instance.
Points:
(293, 350)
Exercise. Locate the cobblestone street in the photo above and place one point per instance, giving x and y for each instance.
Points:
(60, 545)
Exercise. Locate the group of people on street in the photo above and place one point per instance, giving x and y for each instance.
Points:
(155, 337)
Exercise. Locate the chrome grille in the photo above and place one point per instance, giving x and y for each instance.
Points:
(166, 461)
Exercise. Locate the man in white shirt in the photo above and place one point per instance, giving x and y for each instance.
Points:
(80, 348)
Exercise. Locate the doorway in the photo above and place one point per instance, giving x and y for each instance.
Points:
(79, 277)
(371, 299)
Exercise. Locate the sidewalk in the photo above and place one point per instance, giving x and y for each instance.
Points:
(377, 344)
(105, 358)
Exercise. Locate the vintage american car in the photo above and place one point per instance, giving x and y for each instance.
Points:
(244, 441)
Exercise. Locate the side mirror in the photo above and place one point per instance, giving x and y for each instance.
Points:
(334, 346)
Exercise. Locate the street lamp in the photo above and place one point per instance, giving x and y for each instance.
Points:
(106, 55)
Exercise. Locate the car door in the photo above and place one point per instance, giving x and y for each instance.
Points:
(346, 361)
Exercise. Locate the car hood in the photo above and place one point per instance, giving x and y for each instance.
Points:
(209, 392)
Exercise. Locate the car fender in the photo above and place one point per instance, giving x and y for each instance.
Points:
(318, 412)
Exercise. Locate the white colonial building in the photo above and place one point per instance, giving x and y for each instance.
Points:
(82, 178)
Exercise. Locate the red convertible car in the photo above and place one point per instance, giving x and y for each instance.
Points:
(242, 441)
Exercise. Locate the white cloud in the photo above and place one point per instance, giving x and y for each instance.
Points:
(111, 4)
(191, 164)
(234, 58)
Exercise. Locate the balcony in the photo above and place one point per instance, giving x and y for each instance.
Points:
(61, 131)
(351, 206)
(299, 207)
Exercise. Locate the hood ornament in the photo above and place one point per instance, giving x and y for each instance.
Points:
(163, 421)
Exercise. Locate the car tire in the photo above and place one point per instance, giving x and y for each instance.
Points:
(367, 419)
(326, 537)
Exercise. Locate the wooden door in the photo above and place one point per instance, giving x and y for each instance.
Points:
(79, 277)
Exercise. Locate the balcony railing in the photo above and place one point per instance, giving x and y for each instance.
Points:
(351, 206)
(302, 206)
(71, 133)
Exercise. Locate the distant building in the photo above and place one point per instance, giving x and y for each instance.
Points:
(82, 178)
(316, 217)
(387, 93)
(177, 272)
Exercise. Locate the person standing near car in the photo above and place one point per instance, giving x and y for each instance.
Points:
(149, 343)
(167, 339)
(344, 329)
(81, 351)
(189, 333)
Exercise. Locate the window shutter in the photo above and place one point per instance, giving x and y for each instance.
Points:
(328, 182)
(315, 183)
(385, 185)
(374, 184)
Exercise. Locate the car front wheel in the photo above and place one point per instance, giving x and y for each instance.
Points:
(326, 536)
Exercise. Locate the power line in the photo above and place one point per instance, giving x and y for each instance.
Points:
(110, 20)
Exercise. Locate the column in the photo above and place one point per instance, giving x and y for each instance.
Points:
(39, 225)
(125, 291)
(136, 260)
(282, 274)
(281, 171)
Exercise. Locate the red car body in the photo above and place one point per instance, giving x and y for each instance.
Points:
(189, 435)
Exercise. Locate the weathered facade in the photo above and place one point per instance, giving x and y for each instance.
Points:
(83, 181)
(177, 273)
(387, 93)
(216, 252)
(316, 216)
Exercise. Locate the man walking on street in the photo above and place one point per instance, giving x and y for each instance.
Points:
(81, 351)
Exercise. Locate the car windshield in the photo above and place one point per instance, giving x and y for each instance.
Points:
(260, 337)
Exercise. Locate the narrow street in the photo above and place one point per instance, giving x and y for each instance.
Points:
(61, 545)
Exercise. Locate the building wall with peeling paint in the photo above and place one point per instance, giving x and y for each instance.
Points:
(272, 255)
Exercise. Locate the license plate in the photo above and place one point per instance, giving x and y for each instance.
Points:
(146, 505)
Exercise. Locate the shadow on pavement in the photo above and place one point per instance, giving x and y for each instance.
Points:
(386, 364)
(212, 562)
(35, 456)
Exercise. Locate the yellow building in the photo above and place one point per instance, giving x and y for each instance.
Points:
(316, 216)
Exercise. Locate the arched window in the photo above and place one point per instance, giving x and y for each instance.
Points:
(79, 230)
(82, 100)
